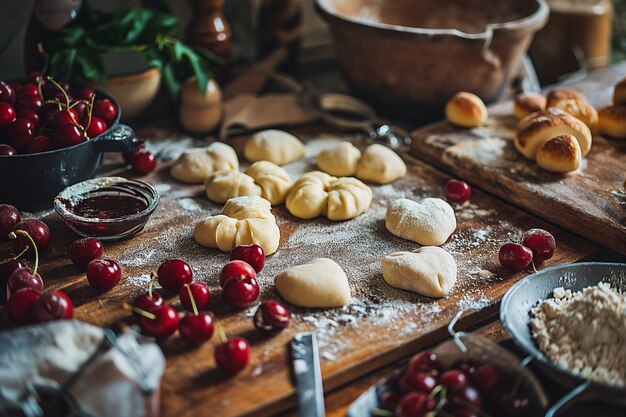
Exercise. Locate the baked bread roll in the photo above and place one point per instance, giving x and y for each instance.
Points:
(466, 110)
(619, 93)
(563, 93)
(612, 121)
(580, 109)
(560, 154)
(528, 103)
(532, 131)
(340, 160)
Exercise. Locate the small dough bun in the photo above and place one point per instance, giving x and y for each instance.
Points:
(533, 130)
(612, 121)
(560, 154)
(528, 103)
(339, 160)
(196, 165)
(580, 109)
(430, 222)
(563, 93)
(273, 145)
(466, 110)
(380, 165)
(619, 94)
(320, 283)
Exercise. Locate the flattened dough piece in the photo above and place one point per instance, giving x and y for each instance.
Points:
(275, 146)
(380, 165)
(244, 221)
(196, 165)
(429, 222)
(320, 283)
(430, 271)
(339, 160)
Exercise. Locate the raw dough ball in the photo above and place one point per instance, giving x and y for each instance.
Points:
(380, 165)
(316, 194)
(429, 222)
(275, 146)
(466, 110)
(196, 165)
(320, 283)
(244, 221)
(263, 179)
(528, 103)
(560, 154)
(340, 160)
(430, 271)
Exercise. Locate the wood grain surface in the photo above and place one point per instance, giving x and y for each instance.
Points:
(381, 325)
(590, 202)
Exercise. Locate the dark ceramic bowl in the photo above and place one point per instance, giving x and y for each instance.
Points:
(31, 181)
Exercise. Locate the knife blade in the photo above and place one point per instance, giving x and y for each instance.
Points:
(307, 375)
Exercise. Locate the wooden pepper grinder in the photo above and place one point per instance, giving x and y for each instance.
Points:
(208, 28)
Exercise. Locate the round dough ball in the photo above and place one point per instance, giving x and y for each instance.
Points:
(275, 146)
(619, 94)
(244, 221)
(380, 165)
(612, 121)
(560, 154)
(430, 271)
(196, 165)
(528, 103)
(224, 185)
(466, 110)
(318, 194)
(340, 160)
(430, 222)
(320, 283)
(273, 180)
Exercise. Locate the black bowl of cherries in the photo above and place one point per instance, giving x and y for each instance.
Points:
(53, 136)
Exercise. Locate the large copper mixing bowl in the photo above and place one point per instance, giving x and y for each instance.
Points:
(407, 57)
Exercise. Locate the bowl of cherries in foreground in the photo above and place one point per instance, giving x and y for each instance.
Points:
(52, 135)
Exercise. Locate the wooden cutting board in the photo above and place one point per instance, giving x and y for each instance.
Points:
(380, 326)
(590, 202)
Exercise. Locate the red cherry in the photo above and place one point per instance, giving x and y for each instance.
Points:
(196, 329)
(457, 191)
(512, 406)
(19, 133)
(20, 306)
(52, 91)
(7, 114)
(164, 323)
(36, 77)
(57, 118)
(240, 291)
(148, 302)
(234, 269)
(48, 108)
(103, 274)
(9, 218)
(467, 395)
(130, 156)
(105, 109)
(28, 102)
(389, 400)
(7, 150)
(144, 162)
(81, 109)
(420, 381)
(424, 362)
(84, 94)
(7, 93)
(30, 115)
(271, 316)
(233, 355)
(201, 295)
(39, 144)
(251, 254)
(38, 231)
(467, 366)
(23, 278)
(53, 305)
(85, 250)
(6, 269)
(514, 256)
(69, 134)
(453, 379)
(486, 379)
(96, 127)
(414, 404)
(29, 90)
(541, 243)
(174, 273)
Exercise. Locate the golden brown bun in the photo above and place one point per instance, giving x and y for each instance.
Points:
(612, 121)
(528, 103)
(560, 154)
(619, 94)
(580, 109)
(563, 93)
(533, 130)
(466, 110)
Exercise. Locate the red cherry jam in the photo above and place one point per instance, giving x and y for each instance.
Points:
(108, 206)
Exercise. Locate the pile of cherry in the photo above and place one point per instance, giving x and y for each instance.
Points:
(467, 389)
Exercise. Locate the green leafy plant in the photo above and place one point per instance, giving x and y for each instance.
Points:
(75, 53)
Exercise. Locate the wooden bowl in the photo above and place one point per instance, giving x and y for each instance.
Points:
(409, 57)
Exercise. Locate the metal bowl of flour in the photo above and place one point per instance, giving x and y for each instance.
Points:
(515, 316)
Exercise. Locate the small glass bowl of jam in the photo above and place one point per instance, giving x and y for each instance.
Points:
(108, 208)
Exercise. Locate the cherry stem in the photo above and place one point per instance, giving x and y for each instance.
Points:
(381, 412)
(194, 307)
(19, 255)
(533, 264)
(57, 85)
(152, 278)
(39, 82)
(140, 311)
(435, 391)
(32, 242)
(89, 111)
(220, 330)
